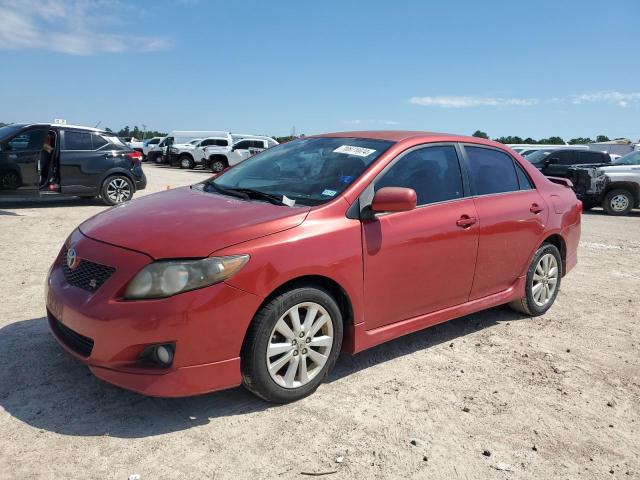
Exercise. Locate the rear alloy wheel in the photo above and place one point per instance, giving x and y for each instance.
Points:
(116, 189)
(542, 282)
(187, 162)
(618, 202)
(9, 180)
(292, 344)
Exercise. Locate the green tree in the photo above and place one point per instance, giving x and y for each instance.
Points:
(602, 138)
(509, 139)
(552, 141)
(530, 141)
(480, 134)
(580, 141)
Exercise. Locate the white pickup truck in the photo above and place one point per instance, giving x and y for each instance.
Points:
(218, 158)
(219, 152)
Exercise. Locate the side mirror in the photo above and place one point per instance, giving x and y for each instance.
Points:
(394, 199)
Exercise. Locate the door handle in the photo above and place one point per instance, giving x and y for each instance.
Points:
(535, 208)
(465, 221)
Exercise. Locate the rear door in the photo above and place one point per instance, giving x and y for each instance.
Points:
(512, 217)
(84, 158)
(19, 161)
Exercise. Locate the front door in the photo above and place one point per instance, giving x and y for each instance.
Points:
(20, 161)
(423, 260)
(512, 216)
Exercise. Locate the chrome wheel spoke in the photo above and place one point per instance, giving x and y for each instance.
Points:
(318, 325)
(323, 341)
(303, 373)
(289, 377)
(279, 348)
(312, 311)
(283, 329)
(294, 315)
(281, 362)
(317, 357)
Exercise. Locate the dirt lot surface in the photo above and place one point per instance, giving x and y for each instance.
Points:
(493, 395)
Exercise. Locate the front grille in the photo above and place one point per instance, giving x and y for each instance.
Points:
(78, 343)
(87, 275)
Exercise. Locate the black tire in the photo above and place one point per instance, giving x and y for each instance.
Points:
(157, 159)
(9, 180)
(186, 161)
(121, 184)
(218, 164)
(618, 202)
(255, 373)
(527, 304)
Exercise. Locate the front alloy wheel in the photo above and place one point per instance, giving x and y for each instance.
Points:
(618, 202)
(292, 344)
(300, 345)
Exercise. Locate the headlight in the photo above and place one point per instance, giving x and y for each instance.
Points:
(165, 278)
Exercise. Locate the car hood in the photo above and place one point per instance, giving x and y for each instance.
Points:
(186, 222)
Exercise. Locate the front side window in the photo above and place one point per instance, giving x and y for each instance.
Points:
(564, 158)
(310, 171)
(28, 140)
(491, 171)
(243, 145)
(77, 140)
(433, 172)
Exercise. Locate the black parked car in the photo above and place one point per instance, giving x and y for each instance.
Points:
(44, 159)
(556, 163)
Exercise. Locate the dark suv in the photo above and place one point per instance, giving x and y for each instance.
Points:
(556, 163)
(44, 159)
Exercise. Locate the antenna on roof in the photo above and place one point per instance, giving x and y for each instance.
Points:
(98, 124)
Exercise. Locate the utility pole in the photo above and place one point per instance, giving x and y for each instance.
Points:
(144, 131)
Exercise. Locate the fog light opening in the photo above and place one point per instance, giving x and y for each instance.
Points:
(163, 355)
(160, 355)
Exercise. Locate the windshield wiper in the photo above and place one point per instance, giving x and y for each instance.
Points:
(230, 192)
(269, 197)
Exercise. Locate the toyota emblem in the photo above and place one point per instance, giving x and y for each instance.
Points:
(72, 258)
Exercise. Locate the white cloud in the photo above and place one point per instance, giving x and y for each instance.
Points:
(621, 99)
(468, 102)
(74, 27)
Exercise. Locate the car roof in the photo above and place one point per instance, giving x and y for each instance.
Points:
(61, 125)
(402, 135)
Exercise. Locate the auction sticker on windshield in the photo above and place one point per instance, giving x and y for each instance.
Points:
(351, 150)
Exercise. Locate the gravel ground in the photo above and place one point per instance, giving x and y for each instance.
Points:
(493, 395)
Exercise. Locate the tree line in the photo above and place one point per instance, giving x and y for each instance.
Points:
(543, 141)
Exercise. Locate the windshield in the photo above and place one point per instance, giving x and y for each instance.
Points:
(632, 158)
(309, 171)
(537, 156)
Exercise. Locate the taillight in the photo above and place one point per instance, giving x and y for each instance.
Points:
(134, 156)
(580, 206)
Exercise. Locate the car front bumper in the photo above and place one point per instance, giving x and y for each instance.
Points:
(109, 334)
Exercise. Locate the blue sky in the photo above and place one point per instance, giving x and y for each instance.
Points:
(569, 68)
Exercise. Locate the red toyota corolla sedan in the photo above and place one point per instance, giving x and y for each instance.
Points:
(329, 243)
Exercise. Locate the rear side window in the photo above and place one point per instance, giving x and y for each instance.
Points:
(523, 179)
(593, 157)
(97, 141)
(77, 140)
(433, 172)
(243, 145)
(491, 171)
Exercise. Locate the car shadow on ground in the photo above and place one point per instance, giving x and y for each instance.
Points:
(49, 202)
(46, 388)
(599, 212)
